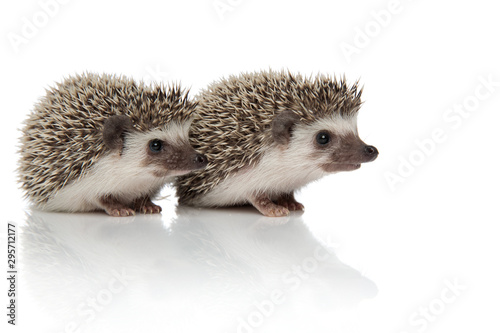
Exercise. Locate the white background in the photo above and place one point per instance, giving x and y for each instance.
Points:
(394, 249)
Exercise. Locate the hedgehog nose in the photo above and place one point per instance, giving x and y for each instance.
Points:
(371, 152)
(200, 160)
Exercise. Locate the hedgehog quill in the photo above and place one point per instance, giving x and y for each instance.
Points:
(267, 134)
(104, 142)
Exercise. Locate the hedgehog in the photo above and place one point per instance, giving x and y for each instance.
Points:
(105, 142)
(267, 134)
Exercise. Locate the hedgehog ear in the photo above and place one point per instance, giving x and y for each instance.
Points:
(282, 126)
(114, 129)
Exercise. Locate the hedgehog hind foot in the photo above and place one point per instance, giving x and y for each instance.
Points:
(114, 207)
(146, 206)
(268, 208)
(288, 201)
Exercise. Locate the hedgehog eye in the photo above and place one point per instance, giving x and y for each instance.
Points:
(155, 145)
(322, 138)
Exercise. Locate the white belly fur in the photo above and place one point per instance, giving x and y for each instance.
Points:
(114, 175)
(279, 171)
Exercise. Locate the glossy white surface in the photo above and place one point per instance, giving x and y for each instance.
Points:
(232, 270)
(200, 270)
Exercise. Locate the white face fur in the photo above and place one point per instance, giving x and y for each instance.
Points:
(174, 141)
(304, 136)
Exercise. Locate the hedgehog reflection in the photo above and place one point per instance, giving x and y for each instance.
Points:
(199, 271)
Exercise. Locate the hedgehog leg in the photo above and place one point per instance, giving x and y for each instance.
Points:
(114, 207)
(268, 208)
(146, 206)
(288, 200)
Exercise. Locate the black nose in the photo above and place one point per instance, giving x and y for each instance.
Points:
(200, 160)
(371, 152)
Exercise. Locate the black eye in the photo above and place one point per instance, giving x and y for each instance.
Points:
(155, 145)
(323, 138)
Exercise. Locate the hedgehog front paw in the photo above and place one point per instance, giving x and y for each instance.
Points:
(291, 205)
(277, 211)
(118, 212)
(289, 202)
(146, 206)
(150, 208)
(114, 207)
(267, 207)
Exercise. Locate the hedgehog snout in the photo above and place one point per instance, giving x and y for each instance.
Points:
(200, 161)
(370, 152)
(191, 159)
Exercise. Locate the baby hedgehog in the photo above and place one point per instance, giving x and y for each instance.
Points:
(103, 142)
(267, 134)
